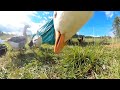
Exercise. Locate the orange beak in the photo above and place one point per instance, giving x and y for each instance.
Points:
(59, 42)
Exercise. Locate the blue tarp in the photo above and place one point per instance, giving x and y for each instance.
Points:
(47, 32)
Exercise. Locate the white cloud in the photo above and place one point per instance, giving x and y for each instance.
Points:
(38, 17)
(14, 21)
(111, 34)
(78, 33)
(94, 35)
(42, 23)
(36, 26)
(46, 12)
(109, 14)
(13, 17)
(45, 18)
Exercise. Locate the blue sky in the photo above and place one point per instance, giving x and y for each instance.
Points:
(12, 22)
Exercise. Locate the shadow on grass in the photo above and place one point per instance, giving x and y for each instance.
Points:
(44, 55)
(47, 57)
(21, 59)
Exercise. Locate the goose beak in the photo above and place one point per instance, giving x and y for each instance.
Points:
(59, 42)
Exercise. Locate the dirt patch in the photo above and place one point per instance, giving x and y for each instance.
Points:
(117, 45)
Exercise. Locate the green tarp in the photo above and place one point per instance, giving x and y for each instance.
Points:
(47, 32)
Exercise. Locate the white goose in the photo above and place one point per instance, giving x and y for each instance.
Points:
(36, 41)
(66, 24)
(19, 41)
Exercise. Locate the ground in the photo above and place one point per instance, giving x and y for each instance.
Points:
(89, 60)
(117, 45)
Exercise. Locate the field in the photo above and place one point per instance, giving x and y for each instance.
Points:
(93, 59)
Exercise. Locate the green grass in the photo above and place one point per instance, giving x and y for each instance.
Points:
(74, 62)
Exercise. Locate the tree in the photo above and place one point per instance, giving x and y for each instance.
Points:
(116, 26)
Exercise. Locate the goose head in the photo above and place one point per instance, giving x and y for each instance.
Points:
(66, 24)
(27, 26)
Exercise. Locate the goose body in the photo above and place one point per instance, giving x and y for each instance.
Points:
(19, 42)
(66, 24)
(37, 41)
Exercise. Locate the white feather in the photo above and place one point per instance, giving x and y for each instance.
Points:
(37, 41)
(14, 45)
(69, 22)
